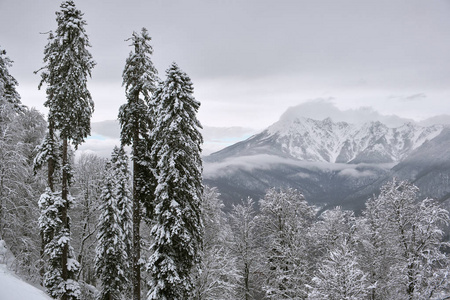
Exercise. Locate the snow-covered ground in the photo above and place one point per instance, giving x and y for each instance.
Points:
(14, 288)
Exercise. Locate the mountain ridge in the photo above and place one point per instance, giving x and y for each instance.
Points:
(335, 142)
(332, 163)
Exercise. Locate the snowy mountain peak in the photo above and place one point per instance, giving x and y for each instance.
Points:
(324, 140)
(328, 141)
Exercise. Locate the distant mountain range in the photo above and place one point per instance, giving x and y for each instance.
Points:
(333, 163)
(311, 140)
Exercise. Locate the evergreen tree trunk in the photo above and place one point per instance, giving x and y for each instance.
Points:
(136, 221)
(64, 218)
(51, 161)
(50, 171)
(139, 78)
(41, 253)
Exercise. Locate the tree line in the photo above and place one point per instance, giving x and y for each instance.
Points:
(144, 224)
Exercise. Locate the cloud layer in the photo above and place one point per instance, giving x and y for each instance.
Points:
(265, 162)
(320, 109)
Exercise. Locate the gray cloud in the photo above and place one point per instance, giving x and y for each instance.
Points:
(413, 97)
(416, 97)
(98, 145)
(356, 173)
(255, 38)
(250, 60)
(320, 109)
(265, 161)
(108, 128)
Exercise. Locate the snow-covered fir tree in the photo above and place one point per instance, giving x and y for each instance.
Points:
(178, 228)
(68, 64)
(48, 154)
(140, 80)
(114, 235)
(119, 163)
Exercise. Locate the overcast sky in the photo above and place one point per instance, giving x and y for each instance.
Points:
(251, 60)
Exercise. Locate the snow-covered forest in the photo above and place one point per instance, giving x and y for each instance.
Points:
(141, 225)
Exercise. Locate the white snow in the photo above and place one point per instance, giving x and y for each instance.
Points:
(14, 288)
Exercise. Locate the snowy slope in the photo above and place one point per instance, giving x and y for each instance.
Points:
(13, 288)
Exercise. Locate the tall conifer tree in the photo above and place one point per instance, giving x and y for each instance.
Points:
(68, 64)
(119, 163)
(139, 79)
(176, 150)
(114, 236)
